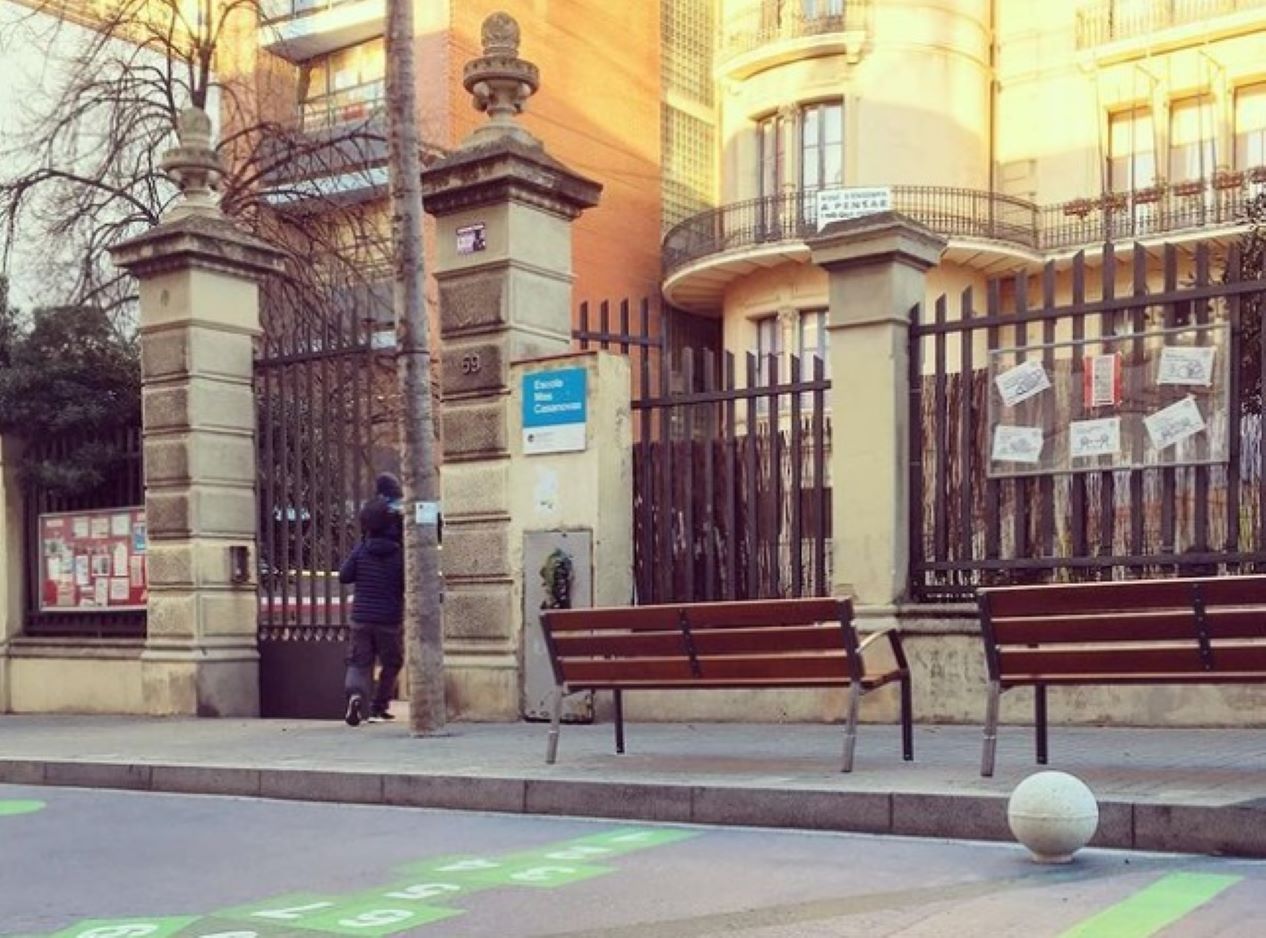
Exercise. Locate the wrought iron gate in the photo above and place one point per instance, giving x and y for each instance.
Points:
(324, 383)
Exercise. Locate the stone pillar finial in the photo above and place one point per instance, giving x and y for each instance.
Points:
(193, 166)
(500, 82)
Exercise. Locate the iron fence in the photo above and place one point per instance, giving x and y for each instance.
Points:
(968, 529)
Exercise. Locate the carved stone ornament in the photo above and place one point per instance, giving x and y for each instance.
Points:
(500, 82)
(193, 166)
(500, 35)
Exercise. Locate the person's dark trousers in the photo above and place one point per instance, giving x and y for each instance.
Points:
(383, 642)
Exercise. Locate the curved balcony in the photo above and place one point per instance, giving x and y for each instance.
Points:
(987, 230)
(767, 32)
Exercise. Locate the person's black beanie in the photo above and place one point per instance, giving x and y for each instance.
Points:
(388, 486)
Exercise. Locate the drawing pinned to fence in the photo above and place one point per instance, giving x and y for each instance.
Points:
(1089, 439)
(1175, 423)
(1017, 444)
(1187, 365)
(1027, 379)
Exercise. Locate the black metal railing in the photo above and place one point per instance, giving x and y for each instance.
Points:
(1107, 21)
(970, 213)
(274, 11)
(769, 21)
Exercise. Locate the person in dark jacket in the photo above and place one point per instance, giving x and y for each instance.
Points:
(376, 569)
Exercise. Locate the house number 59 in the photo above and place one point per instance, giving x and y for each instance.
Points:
(471, 364)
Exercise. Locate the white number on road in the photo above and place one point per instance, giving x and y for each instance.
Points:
(424, 891)
(377, 918)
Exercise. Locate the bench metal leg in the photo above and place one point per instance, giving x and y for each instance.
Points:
(619, 722)
(991, 730)
(556, 717)
(850, 730)
(1039, 721)
(907, 721)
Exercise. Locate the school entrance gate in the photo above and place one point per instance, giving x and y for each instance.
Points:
(324, 386)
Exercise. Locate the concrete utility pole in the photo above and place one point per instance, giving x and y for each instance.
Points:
(423, 626)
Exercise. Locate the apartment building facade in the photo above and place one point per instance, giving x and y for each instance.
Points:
(1022, 131)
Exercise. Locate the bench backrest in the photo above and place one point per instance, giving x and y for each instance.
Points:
(741, 644)
(1129, 629)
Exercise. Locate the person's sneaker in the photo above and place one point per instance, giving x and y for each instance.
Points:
(354, 705)
(381, 715)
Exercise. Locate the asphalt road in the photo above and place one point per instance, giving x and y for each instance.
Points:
(94, 864)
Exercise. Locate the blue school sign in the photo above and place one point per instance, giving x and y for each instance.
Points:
(555, 406)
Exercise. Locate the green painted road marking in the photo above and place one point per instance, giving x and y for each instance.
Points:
(377, 918)
(20, 807)
(543, 875)
(419, 899)
(291, 909)
(1156, 907)
(126, 928)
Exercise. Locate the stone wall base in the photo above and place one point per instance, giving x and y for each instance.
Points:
(482, 692)
(64, 676)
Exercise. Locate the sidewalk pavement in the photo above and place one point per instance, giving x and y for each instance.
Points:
(1195, 791)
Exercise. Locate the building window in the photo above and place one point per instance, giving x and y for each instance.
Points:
(1131, 150)
(768, 351)
(1250, 126)
(813, 348)
(771, 171)
(816, 9)
(1191, 139)
(342, 87)
(821, 145)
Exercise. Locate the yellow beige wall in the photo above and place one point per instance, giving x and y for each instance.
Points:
(1054, 99)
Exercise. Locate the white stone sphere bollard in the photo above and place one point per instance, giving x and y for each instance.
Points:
(1054, 814)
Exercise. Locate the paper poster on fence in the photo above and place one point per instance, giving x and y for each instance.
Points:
(1174, 423)
(1017, 444)
(1088, 439)
(1189, 365)
(1025, 380)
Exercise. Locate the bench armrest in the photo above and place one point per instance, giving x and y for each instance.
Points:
(893, 634)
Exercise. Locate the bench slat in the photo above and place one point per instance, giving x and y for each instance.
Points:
(569, 645)
(1091, 598)
(1159, 677)
(1085, 598)
(1129, 626)
(1112, 661)
(755, 683)
(776, 667)
(774, 613)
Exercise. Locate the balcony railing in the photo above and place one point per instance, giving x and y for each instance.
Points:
(273, 11)
(345, 106)
(968, 213)
(1107, 21)
(769, 21)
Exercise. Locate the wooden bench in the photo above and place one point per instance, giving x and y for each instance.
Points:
(784, 643)
(1176, 631)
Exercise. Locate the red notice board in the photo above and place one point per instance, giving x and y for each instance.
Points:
(93, 560)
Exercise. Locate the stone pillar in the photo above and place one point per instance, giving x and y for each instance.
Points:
(12, 558)
(878, 272)
(199, 316)
(503, 210)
